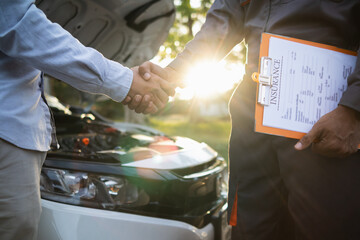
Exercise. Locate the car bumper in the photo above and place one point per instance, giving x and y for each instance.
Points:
(68, 222)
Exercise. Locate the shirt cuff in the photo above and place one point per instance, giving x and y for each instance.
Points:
(117, 82)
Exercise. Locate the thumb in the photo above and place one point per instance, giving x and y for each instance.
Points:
(306, 140)
(145, 70)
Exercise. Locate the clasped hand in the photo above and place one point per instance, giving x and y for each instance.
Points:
(151, 87)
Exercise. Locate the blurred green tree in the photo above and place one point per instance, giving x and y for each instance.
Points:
(190, 15)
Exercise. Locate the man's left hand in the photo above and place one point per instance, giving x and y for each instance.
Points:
(336, 134)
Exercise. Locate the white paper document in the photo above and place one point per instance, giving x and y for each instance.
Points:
(308, 82)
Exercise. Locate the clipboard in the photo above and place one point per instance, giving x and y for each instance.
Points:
(265, 80)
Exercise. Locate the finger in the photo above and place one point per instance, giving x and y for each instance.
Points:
(308, 139)
(170, 90)
(158, 102)
(161, 72)
(135, 102)
(143, 105)
(161, 96)
(168, 87)
(147, 69)
(127, 100)
(151, 109)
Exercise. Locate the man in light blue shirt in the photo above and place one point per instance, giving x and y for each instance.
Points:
(31, 44)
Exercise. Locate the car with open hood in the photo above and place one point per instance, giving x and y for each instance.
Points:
(116, 180)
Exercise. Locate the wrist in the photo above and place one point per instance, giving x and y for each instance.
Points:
(350, 111)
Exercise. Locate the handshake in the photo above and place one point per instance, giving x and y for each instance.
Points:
(151, 87)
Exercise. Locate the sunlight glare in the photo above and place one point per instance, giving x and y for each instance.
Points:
(209, 79)
(195, 3)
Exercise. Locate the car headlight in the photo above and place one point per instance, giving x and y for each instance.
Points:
(91, 190)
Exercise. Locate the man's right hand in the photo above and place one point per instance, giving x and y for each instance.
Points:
(336, 134)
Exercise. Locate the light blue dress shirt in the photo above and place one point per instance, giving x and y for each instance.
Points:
(29, 44)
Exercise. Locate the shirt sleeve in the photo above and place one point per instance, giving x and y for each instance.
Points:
(351, 97)
(27, 35)
(222, 30)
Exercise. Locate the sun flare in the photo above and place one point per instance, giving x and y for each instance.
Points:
(209, 79)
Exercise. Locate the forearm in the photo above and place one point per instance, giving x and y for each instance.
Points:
(49, 48)
(221, 31)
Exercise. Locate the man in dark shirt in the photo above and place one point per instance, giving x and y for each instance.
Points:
(269, 177)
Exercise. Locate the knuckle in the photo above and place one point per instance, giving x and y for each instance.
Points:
(147, 99)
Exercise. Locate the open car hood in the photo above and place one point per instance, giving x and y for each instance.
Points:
(129, 32)
(86, 136)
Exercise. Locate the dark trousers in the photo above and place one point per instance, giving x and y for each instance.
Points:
(286, 194)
